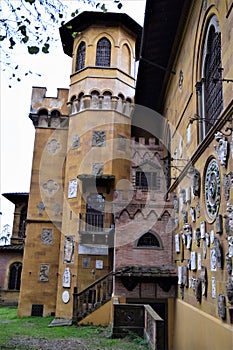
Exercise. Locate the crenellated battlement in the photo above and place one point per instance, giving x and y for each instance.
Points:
(100, 102)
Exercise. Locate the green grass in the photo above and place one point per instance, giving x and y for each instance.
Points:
(12, 326)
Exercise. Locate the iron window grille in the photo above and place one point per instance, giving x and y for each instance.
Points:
(81, 55)
(103, 53)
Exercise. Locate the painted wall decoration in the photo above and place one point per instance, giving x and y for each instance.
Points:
(75, 141)
(212, 189)
(230, 217)
(65, 297)
(53, 146)
(226, 186)
(72, 188)
(188, 234)
(57, 209)
(44, 272)
(221, 306)
(97, 168)
(229, 290)
(47, 236)
(218, 251)
(177, 243)
(219, 224)
(203, 278)
(222, 148)
(69, 249)
(230, 246)
(198, 210)
(193, 260)
(98, 138)
(213, 285)
(195, 181)
(228, 264)
(41, 208)
(50, 187)
(66, 278)
(192, 213)
(199, 261)
(213, 260)
(176, 204)
(203, 229)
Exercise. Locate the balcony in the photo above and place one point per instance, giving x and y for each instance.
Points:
(96, 228)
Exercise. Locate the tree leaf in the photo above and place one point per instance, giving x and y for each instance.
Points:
(12, 43)
(45, 48)
(30, 1)
(25, 39)
(33, 50)
(103, 8)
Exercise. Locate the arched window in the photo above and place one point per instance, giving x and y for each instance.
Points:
(22, 224)
(211, 83)
(103, 53)
(55, 113)
(15, 276)
(81, 55)
(126, 59)
(149, 240)
(43, 118)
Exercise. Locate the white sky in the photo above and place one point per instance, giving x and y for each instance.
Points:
(17, 130)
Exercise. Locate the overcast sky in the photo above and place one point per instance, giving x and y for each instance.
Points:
(17, 130)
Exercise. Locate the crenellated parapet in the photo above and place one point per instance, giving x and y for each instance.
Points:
(100, 102)
(49, 111)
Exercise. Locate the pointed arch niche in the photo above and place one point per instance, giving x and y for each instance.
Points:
(149, 240)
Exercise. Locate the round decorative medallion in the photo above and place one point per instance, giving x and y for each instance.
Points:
(212, 189)
(65, 296)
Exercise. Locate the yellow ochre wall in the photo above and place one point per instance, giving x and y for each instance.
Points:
(196, 330)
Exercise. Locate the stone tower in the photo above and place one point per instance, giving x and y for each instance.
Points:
(81, 155)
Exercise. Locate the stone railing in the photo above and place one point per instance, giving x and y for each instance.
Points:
(101, 102)
(139, 319)
(150, 322)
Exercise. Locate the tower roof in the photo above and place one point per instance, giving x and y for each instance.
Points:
(88, 18)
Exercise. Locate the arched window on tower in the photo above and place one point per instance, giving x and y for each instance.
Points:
(126, 59)
(81, 55)
(103, 53)
(15, 276)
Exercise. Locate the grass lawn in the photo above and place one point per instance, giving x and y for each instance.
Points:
(13, 328)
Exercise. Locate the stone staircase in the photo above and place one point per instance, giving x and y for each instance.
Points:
(93, 297)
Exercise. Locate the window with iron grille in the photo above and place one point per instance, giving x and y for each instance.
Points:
(213, 79)
(15, 276)
(209, 90)
(95, 212)
(81, 55)
(149, 239)
(147, 180)
(103, 53)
